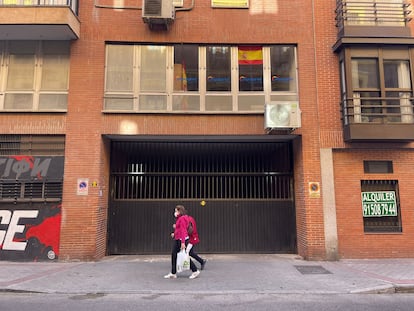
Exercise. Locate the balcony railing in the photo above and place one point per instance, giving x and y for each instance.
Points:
(372, 13)
(73, 4)
(378, 118)
(378, 110)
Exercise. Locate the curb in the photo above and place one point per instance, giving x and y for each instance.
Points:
(404, 289)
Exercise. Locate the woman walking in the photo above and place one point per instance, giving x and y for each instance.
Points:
(180, 240)
(194, 240)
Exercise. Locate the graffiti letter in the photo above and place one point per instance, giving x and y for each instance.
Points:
(40, 169)
(2, 161)
(21, 167)
(7, 168)
(5, 219)
(14, 228)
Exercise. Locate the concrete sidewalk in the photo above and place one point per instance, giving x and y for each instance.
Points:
(222, 274)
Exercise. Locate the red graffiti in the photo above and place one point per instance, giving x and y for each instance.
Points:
(29, 160)
(48, 232)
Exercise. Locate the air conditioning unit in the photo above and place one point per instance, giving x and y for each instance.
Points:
(282, 115)
(158, 11)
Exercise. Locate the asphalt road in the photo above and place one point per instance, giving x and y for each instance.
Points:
(203, 302)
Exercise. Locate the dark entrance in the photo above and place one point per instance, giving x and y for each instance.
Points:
(240, 191)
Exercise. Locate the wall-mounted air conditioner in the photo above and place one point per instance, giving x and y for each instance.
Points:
(158, 11)
(282, 115)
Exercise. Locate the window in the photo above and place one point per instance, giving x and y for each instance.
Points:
(186, 78)
(34, 2)
(380, 206)
(31, 168)
(378, 167)
(153, 79)
(36, 75)
(380, 87)
(204, 79)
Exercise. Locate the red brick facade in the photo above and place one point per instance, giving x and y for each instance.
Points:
(308, 24)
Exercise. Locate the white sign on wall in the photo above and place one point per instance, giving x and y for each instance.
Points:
(83, 186)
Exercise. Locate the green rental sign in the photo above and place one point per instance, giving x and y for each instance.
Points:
(379, 204)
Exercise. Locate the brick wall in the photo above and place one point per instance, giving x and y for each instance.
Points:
(310, 25)
(84, 217)
(349, 171)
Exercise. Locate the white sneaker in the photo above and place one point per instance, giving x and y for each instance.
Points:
(170, 276)
(194, 275)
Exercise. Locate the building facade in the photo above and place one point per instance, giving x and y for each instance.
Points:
(282, 126)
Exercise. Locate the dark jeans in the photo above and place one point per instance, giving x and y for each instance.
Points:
(176, 249)
(195, 256)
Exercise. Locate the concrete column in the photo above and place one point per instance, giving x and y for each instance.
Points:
(329, 206)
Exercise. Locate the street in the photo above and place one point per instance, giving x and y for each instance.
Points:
(206, 301)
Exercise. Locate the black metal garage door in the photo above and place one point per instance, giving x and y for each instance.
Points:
(241, 194)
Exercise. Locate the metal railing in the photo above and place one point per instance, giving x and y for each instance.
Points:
(31, 191)
(166, 171)
(167, 185)
(73, 4)
(378, 110)
(372, 13)
(382, 223)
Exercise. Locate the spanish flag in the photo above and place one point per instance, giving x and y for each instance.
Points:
(250, 55)
(184, 77)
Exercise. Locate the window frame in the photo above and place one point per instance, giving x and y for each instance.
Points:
(202, 95)
(352, 104)
(37, 91)
(380, 224)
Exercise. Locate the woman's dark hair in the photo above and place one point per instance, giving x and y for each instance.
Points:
(181, 209)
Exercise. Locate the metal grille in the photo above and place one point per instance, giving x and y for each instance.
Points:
(237, 189)
(372, 13)
(18, 191)
(153, 7)
(32, 144)
(386, 223)
(201, 171)
(30, 188)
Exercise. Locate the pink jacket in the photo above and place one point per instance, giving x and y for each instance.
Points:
(194, 239)
(180, 232)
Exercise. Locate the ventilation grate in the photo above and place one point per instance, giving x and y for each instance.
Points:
(312, 270)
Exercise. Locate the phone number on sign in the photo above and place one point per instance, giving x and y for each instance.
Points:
(380, 209)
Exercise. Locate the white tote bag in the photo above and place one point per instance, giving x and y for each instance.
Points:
(183, 261)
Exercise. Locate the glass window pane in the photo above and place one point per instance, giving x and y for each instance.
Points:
(218, 68)
(153, 68)
(152, 102)
(283, 68)
(55, 66)
(21, 72)
(18, 101)
(55, 73)
(119, 103)
(396, 107)
(397, 74)
(251, 103)
(390, 12)
(186, 103)
(185, 67)
(119, 68)
(219, 103)
(369, 106)
(250, 59)
(361, 13)
(365, 73)
(53, 101)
